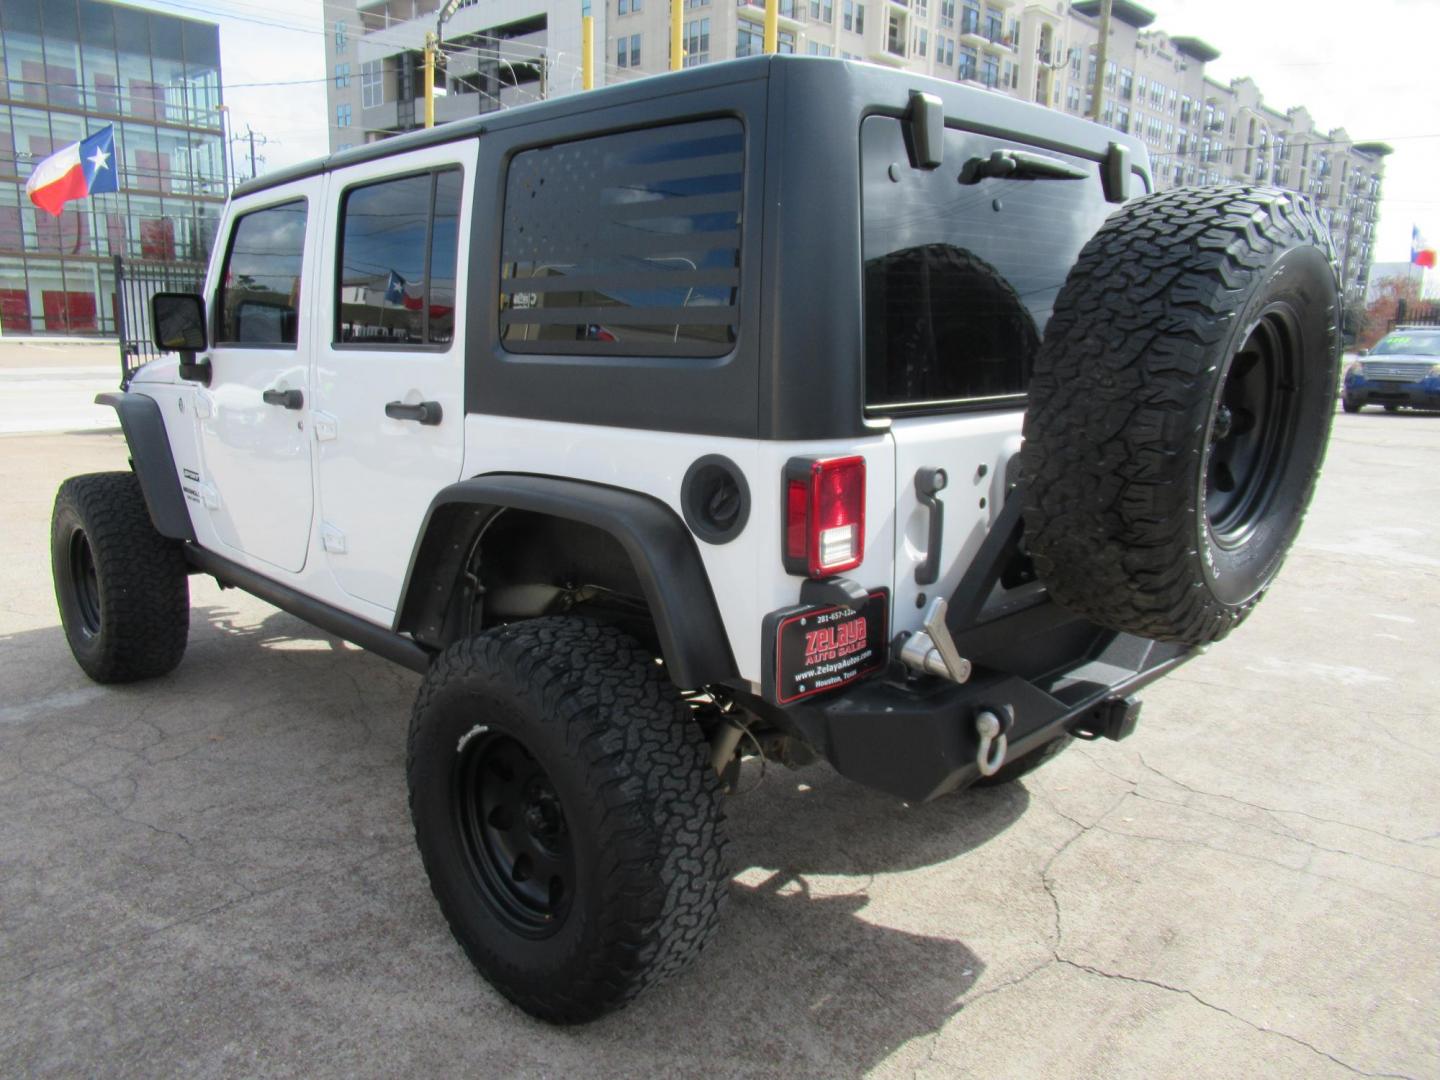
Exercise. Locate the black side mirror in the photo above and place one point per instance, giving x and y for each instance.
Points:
(1363, 352)
(177, 321)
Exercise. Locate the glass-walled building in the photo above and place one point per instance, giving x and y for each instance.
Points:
(70, 67)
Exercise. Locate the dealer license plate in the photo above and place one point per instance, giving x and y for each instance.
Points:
(812, 650)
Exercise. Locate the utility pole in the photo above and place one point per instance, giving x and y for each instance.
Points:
(772, 26)
(587, 52)
(1100, 56)
(677, 39)
(429, 79)
(432, 50)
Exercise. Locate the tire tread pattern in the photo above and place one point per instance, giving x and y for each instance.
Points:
(1121, 384)
(657, 800)
(142, 578)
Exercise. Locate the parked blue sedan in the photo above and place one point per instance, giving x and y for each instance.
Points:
(1402, 369)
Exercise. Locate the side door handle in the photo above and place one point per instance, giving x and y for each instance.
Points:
(928, 482)
(426, 412)
(289, 399)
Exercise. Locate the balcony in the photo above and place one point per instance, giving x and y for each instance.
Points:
(791, 14)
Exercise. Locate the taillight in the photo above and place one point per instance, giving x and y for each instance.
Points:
(824, 515)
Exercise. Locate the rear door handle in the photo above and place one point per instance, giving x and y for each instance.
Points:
(928, 482)
(289, 399)
(426, 412)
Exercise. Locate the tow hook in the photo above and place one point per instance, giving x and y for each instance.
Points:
(992, 727)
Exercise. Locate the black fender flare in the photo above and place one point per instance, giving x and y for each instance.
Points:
(153, 462)
(661, 549)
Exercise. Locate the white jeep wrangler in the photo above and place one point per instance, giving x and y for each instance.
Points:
(784, 407)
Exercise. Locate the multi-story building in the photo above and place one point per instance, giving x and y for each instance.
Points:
(1198, 131)
(72, 67)
(497, 53)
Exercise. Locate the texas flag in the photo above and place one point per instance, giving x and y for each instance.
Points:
(83, 168)
(1421, 253)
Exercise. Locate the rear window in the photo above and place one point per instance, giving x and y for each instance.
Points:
(960, 279)
(625, 244)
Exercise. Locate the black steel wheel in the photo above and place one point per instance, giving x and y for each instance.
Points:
(567, 814)
(122, 588)
(515, 834)
(1180, 410)
(1251, 428)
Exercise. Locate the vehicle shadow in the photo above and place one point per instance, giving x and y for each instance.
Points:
(805, 977)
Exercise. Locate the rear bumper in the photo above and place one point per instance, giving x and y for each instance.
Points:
(917, 739)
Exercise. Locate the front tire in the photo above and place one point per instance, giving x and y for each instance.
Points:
(1350, 406)
(567, 815)
(121, 587)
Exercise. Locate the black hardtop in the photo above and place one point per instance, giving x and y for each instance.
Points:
(870, 86)
(797, 366)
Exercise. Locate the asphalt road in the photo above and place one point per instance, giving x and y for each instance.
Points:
(213, 874)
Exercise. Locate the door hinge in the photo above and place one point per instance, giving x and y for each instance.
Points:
(332, 538)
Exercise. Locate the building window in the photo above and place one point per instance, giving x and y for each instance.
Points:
(342, 76)
(969, 60)
(847, 14)
(993, 22)
(816, 49)
(622, 52)
(396, 284)
(629, 7)
(1127, 84)
(1075, 63)
(341, 35)
(634, 50)
(697, 42)
(922, 41)
(371, 85)
(342, 114)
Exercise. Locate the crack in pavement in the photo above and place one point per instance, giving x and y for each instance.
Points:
(1185, 992)
(1047, 880)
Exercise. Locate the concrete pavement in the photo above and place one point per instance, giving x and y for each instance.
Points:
(52, 387)
(213, 874)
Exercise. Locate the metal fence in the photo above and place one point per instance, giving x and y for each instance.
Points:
(136, 280)
(1416, 313)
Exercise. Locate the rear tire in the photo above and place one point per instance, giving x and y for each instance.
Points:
(1180, 408)
(1392, 408)
(567, 815)
(122, 588)
(1350, 406)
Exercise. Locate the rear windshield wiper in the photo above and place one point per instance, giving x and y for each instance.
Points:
(1019, 165)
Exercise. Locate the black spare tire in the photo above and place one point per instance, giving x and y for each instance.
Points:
(1179, 410)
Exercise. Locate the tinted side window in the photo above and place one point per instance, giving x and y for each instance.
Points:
(396, 284)
(626, 244)
(260, 288)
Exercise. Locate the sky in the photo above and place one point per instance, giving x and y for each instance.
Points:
(1373, 69)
